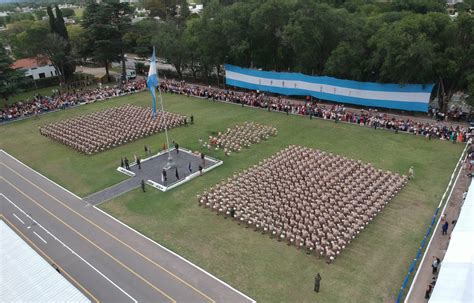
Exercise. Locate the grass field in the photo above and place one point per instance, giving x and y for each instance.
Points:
(371, 269)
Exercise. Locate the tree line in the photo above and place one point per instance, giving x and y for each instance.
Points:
(404, 41)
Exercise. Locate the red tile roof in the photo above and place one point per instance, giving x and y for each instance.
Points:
(29, 63)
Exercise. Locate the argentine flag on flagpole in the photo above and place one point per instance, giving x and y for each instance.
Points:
(152, 81)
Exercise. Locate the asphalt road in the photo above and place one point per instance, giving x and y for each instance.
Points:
(102, 257)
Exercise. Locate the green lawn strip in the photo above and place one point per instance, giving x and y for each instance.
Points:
(371, 269)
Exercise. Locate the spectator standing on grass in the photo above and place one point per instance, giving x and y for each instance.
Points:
(146, 150)
(317, 282)
(143, 185)
(411, 173)
(121, 162)
(192, 119)
(445, 228)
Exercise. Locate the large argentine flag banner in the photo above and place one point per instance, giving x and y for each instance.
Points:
(413, 97)
(152, 81)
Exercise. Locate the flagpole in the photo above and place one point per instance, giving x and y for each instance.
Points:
(170, 164)
(164, 120)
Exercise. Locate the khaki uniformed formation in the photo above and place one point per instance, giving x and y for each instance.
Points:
(112, 127)
(311, 199)
(242, 135)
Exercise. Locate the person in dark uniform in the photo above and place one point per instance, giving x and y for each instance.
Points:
(185, 121)
(203, 158)
(143, 185)
(428, 291)
(177, 175)
(232, 212)
(146, 150)
(176, 146)
(121, 162)
(317, 282)
(190, 168)
(200, 170)
(192, 119)
(139, 163)
(127, 166)
(164, 178)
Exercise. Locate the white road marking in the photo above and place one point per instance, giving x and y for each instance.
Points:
(40, 237)
(18, 218)
(140, 234)
(72, 251)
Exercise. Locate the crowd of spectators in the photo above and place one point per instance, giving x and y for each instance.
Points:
(61, 100)
(308, 198)
(370, 117)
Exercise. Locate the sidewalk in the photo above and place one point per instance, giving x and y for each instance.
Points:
(440, 243)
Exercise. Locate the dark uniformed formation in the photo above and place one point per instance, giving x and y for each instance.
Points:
(109, 128)
(241, 135)
(311, 199)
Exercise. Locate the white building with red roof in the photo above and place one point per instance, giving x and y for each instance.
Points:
(35, 69)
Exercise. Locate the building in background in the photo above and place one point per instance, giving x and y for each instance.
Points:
(35, 69)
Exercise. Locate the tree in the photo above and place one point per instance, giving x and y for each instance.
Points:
(138, 37)
(170, 45)
(9, 78)
(267, 23)
(106, 24)
(312, 36)
(56, 24)
(77, 39)
(184, 11)
(39, 14)
(45, 46)
(426, 49)
(67, 12)
(161, 8)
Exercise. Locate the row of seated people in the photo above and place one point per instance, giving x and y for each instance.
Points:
(41, 104)
(242, 135)
(109, 128)
(308, 198)
(371, 118)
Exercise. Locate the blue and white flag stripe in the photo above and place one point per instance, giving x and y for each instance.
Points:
(152, 81)
(413, 97)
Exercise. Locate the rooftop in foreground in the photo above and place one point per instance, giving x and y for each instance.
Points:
(26, 277)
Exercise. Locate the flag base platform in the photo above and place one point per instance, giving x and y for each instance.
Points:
(186, 168)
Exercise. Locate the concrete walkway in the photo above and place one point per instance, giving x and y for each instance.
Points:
(112, 191)
(440, 243)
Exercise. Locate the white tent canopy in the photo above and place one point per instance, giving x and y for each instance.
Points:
(456, 278)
